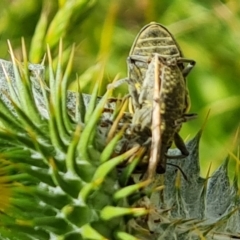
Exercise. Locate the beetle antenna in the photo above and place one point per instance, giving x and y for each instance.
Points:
(184, 175)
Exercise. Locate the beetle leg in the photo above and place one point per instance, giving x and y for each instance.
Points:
(117, 83)
(181, 146)
(185, 118)
(156, 123)
(134, 58)
(131, 68)
(187, 69)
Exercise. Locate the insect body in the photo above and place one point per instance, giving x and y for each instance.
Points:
(156, 78)
(153, 38)
(162, 109)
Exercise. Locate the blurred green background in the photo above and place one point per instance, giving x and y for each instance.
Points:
(103, 31)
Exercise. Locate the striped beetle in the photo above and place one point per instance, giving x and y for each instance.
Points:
(162, 109)
(153, 38)
(157, 86)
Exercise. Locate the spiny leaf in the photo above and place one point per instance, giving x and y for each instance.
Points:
(87, 231)
(125, 236)
(110, 212)
(126, 191)
(89, 128)
(23, 82)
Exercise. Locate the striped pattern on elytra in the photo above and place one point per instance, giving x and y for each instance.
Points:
(153, 38)
(156, 63)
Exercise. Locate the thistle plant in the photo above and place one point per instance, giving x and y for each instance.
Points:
(63, 171)
(55, 183)
(58, 182)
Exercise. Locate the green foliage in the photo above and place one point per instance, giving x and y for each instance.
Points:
(104, 31)
(56, 183)
(52, 181)
(52, 168)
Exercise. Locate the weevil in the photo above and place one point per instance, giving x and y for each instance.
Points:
(157, 86)
(156, 79)
(162, 110)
